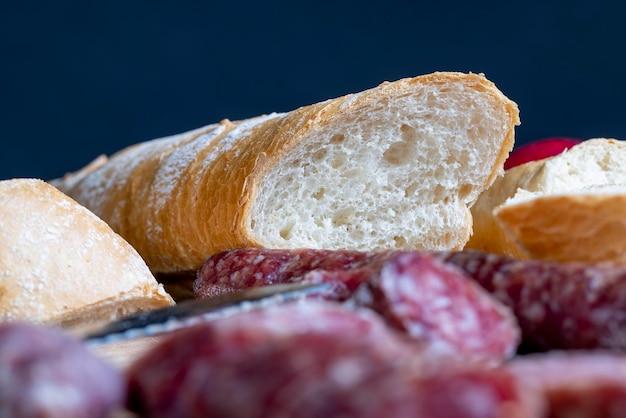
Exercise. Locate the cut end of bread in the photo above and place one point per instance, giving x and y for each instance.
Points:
(597, 162)
(393, 167)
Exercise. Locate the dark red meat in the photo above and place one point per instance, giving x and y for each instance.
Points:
(46, 374)
(434, 303)
(311, 359)
(576, 384)
(250, 267)
(557, 305)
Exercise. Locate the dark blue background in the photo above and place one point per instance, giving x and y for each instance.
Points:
(81, 78)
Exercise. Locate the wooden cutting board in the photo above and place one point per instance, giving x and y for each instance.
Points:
(123, 353)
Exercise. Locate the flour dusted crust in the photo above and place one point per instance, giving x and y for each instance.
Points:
(60, 263)
(570, 207)
(425, 147)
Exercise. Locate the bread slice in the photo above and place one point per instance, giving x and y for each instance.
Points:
(60, 263)
(570, 207)
(396, 166)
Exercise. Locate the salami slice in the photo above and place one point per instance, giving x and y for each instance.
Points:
(46, 374)
(576, 384)
(432, 302)
(310, 359)
(249, 267)
(558, 305)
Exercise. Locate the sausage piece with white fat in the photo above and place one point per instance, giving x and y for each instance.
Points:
(576, 384)
(312, 359)
(572, 305)
(432, 302)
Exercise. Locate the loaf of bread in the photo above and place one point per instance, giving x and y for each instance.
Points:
(569, 207)
(396, 166)
(60, 263)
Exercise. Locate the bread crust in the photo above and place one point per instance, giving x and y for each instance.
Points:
(588, 227)
(213, 176)
(60, 263)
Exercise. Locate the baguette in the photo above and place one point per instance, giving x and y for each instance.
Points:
(570, 207)
(396, 166)
(60, 264)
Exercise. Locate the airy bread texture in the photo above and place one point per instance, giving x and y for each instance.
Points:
(396, 166)
(60, 263)
(570, 207)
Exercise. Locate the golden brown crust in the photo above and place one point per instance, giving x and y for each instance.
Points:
(59, 262)
(181, 199)
(587, 227)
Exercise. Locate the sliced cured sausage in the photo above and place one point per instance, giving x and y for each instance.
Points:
(310, 359)
(576, 384)
(432, 302)
(45, 373)
(558, 305)
(249, 267)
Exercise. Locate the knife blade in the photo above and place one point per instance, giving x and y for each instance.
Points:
(189, 312)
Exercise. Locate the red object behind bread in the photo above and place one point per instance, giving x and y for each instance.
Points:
(539, 150)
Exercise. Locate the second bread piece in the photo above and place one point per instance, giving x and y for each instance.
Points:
(570, 207)
(396, 166)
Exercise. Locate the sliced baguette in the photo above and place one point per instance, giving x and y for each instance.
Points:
(570, 207)
(396, 166)
(60, 263)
